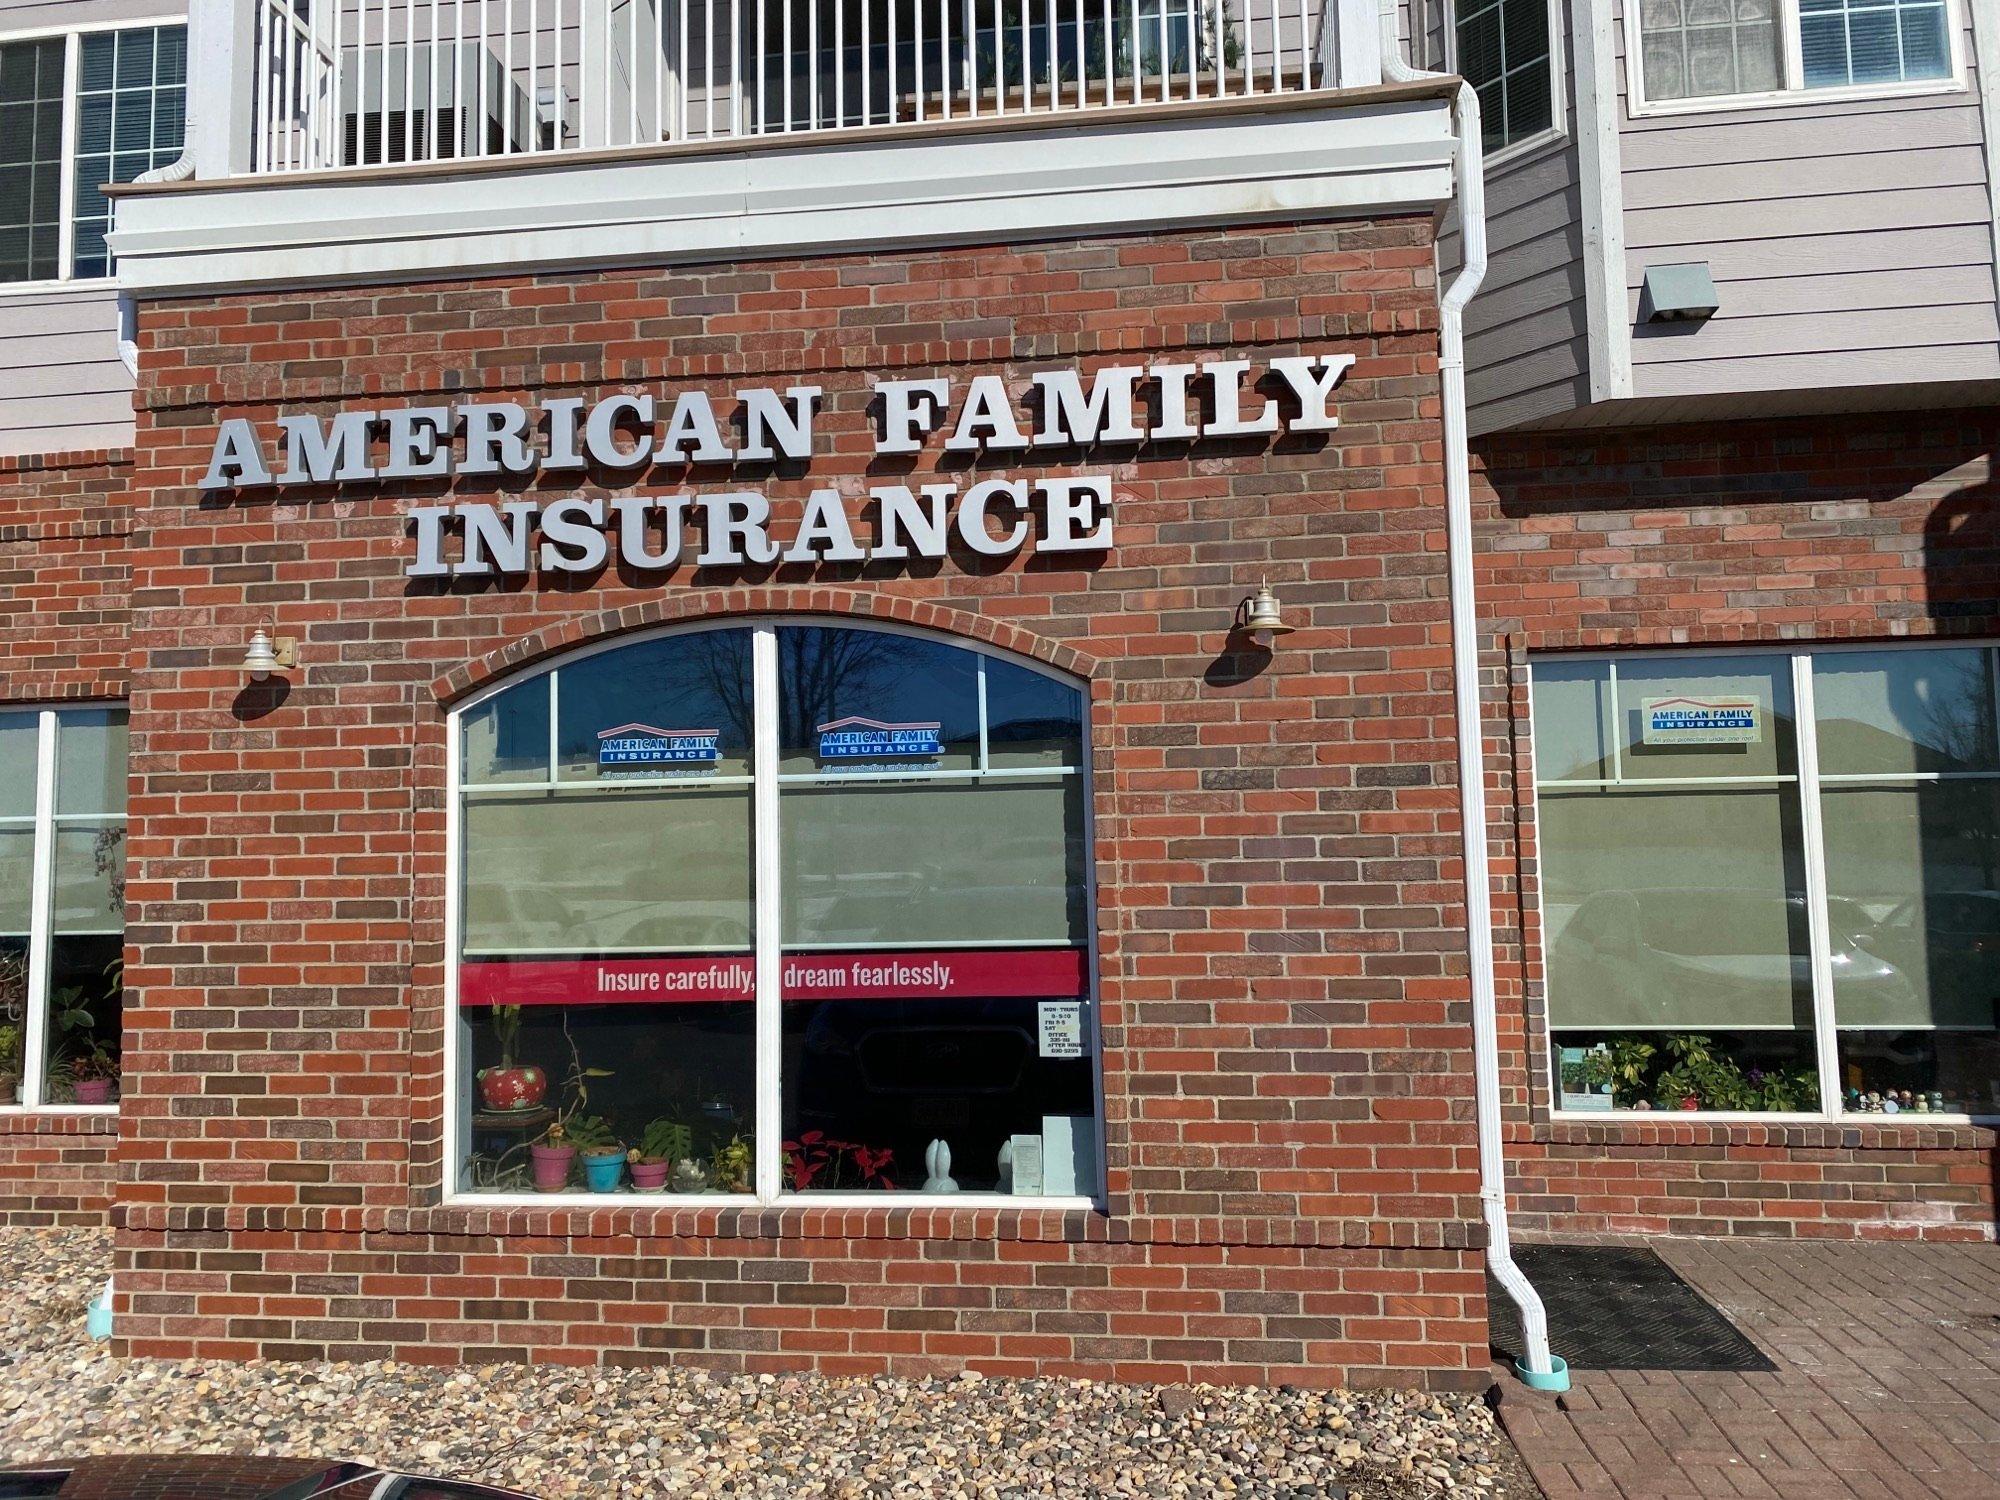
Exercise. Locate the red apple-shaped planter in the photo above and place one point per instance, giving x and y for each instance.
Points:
(520, 1086)
(552, 1165)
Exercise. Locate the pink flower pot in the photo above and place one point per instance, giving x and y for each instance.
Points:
(650, 1176)
(552, 1167)
(94, 1091)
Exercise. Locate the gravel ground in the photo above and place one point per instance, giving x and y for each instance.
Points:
(561, 1432)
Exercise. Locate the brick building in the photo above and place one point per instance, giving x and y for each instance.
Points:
(673, 749)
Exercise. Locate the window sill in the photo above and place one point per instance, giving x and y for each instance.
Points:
(790, 1204)
(60, 284)
(1799, 1132)
(1792, 98)
(1515, 152)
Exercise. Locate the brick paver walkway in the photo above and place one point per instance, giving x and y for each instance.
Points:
(1888, 1384)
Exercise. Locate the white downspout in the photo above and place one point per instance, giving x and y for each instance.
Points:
(1538, 1367)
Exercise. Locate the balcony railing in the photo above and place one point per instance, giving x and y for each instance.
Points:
(326, 85)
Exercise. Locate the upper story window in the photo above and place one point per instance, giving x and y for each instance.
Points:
(62, 903)
(1505, 52)
(1712, 49)
(776, 910)
(78, 111)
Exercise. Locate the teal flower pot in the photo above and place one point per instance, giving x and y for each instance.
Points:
(602, 1173)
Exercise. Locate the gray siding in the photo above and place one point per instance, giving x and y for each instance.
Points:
(1851, 243)
(1525, 335)
(62, 385)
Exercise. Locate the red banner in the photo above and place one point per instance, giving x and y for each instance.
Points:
(960, 973)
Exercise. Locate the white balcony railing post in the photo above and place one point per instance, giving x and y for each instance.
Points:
(1349, 47)
(222, 86)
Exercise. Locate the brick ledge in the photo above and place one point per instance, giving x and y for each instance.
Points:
(44, 1123)
(636, 1221)
(1828, 1136)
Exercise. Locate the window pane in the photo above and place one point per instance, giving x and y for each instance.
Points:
(20, 737)
(13, 1004)
(866, 700)
(1918, 868)
(1695, 49)
(595, 872)
(1915, 871)
(1872, 41)
(1896, 712)
(1031, 720)
(31, 92)
(1675, 909)
(85, 991)
(1503, 52)
(17, 877)
(869, 1085)
(1716, 716)
(506, 738)
(674, 707)
(1572, 721)
(933, 863)
(90, 761)
(675, 1082)
(131, 112)
(89, 894)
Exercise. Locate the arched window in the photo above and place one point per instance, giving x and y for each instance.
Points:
(775, 909)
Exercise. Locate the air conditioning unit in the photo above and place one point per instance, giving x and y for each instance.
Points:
(424, 102)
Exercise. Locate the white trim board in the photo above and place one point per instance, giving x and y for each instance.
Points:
(1319, 159)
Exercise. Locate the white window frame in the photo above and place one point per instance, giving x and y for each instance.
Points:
(768, 951)
(1808, 783)
(65, 277)
(1795, 92)
(41, 891)
(1558, 129)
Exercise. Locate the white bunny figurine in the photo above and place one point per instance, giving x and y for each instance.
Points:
(937, 1161)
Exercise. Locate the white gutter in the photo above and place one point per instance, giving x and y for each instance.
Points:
(1537, 1367)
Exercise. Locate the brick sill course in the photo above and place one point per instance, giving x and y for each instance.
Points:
(630, 1221)
(1826, 1135)
(57, 1122)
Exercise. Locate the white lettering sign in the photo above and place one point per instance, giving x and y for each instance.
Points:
(628, 432)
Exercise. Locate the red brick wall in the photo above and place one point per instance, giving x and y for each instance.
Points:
(1286, 1047)
(64, 524)
(1846, 528)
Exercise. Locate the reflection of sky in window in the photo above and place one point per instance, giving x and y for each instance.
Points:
(1916, 710)
(695, 681)
(824, 675)
(1024, 707)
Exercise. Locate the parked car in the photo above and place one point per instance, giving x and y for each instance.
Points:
(1677, 952)
(208, 1476)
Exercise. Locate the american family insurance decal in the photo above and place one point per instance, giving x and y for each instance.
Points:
(1701, 721)
(983, 973)
(1119, 406)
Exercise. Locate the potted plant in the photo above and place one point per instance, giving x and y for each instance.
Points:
(664, 1143)
(552, 1157)
(511, 1085)
(90, 1066)
(10, 1063)
(95, 1074)
(602, 1152)
(730, 1165)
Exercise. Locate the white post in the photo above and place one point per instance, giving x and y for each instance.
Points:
(1349, 45)
(222, 83)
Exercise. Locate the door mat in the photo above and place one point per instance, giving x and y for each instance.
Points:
(1619, 1309)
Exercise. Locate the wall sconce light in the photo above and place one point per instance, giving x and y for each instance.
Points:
(1260, 618)
(265, 655)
